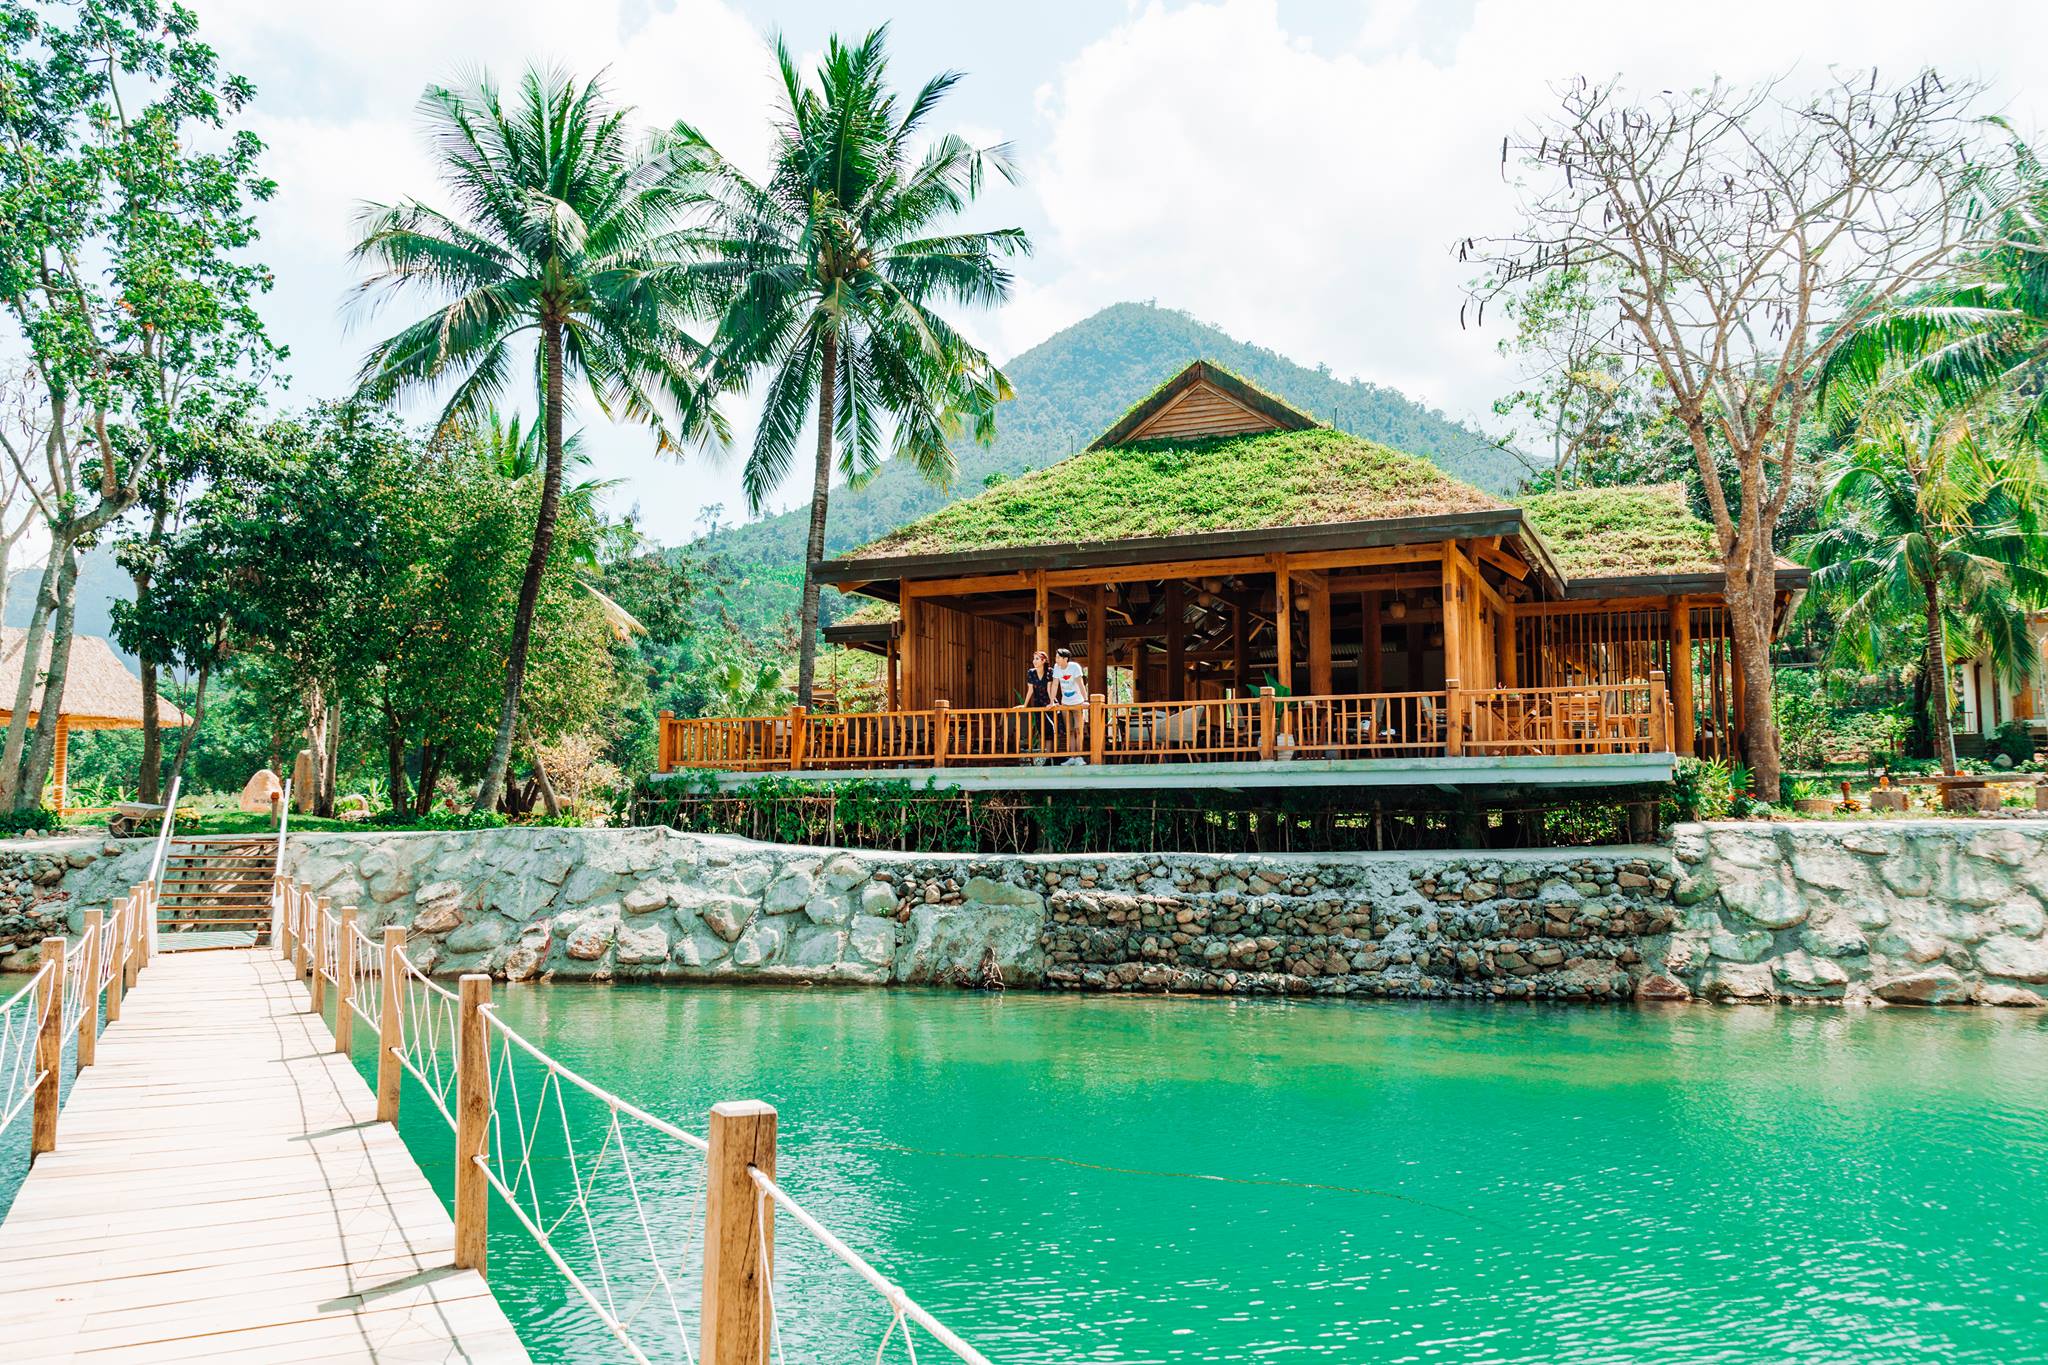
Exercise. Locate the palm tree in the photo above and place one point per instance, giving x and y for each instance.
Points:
(1932, 524)
(568, 228)
(1980, 336)
(830, 270)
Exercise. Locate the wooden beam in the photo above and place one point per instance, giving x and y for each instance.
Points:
(1041, 616)
(1176, 643)
(1319, 680)
(1454, 633)
(1237, 645)
(1098, 658)
(1365, 556)
(1489, 552)
(1369, 649)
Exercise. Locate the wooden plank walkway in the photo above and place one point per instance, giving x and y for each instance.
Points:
(222, 1191)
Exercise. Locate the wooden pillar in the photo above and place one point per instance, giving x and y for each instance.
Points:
(910, 688)
(1283, 625)
(1098, 656)
(1238, 650)
(1454, 616)
(795, 722)
(739, 1235)
(664, 743)
(316, 996)
(1176, 643)
(472, 1125)
(345, 976)
(390, 1025)
(89, 1017)
(1660, 717)
(1041, 615)
(60, 766)
(1095, 727)
(1268, 710)
(1684, 723)
(891, 652)
(49, 1048)
(1510, 663)
(1454, 717)
(942, 722)
(1369, 651)
(116, 978)
(1319, 645)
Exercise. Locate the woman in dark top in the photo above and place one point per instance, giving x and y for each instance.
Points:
(1037, 698)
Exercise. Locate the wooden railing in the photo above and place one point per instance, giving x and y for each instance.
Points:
(1592, 718)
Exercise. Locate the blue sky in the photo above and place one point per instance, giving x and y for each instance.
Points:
(1293, 171)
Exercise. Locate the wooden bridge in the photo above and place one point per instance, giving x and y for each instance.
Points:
(222, 1184)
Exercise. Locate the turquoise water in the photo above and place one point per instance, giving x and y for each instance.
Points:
(1142, 1180)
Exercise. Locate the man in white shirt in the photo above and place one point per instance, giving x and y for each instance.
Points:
(1070, 684)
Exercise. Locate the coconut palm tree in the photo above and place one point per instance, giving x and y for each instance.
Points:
(1979, 337)
(569, 234)
(831, 270)
(1932, 525)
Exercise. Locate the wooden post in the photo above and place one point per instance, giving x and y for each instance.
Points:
(891, 653)
(796, 737)
(1283, 626)
(1098, 653)
(1660, 716)
(60, 764)
(1320, 682)
(1510, 668)
(664, 745)
(345, 977)
(472, 1125)
(1454, 719)
(1041, 616)
(1685, 722)
(299, 926)
(1176, 646)
(1096, 717)
(49, 1048)
(1266, 718)
(1239, 662)
(941, 724)
(1369, 652)
(316, 994)
(1454, 617)
(390, 1025)
(115, 983)
(738, 1226)
(135, 951)
(89, 1019)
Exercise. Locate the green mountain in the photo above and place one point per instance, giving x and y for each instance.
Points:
(1070, 387)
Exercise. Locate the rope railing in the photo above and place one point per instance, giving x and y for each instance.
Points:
(60, 1005)
(611, 1194)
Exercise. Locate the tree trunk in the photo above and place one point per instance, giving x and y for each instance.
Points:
(316, 749)
(489, 789)
(327, 778)
(24, 691)
(814, 545)
(1938, 692)
(549, 800)
(43, 752)
(192, 730)
(430, 775)
(151, 767)
(394, 759)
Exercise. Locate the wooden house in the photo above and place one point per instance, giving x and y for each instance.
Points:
(1260, 599)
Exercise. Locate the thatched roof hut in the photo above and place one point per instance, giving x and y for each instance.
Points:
(99, 692)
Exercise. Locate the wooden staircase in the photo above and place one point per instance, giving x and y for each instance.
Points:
(216, 891)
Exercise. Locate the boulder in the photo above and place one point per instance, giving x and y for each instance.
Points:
(2018, 958)
(644, 900)
(787, 892)
(1766, 900)
(589, 940)
(480, 935)
(873, 940)
(642, 943)
(948, 938)
(758, 945)
(259, 791)
(1809, 975)
(816, 946)
(1658, 988)
(1737, 983)
(438, 919)
(2011, 997)
(1934, 986)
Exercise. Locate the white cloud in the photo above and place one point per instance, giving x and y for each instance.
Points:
(1306, 196)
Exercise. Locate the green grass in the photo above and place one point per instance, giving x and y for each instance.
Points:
(1158, 488)
(1606, 532)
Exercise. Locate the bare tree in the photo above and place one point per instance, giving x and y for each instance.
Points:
(1746, 231)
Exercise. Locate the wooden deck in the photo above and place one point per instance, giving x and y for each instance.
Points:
(221, 1191)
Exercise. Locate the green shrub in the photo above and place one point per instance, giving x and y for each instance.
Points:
(1700, 790)
(457, 819)
(34, 820)
(2012, 739)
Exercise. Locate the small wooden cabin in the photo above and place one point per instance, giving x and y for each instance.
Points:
(1217, 543)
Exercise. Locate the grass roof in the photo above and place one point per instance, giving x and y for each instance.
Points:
(1613, 532)
(1260, 481)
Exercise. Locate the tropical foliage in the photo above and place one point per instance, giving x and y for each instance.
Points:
(831, 271)
(567, 233)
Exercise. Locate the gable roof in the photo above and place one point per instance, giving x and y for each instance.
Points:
(1204, 400)
(99, 691)
(1270, 480)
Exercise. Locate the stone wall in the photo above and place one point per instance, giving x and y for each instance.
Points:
(1914, 911)
(1933, 912)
